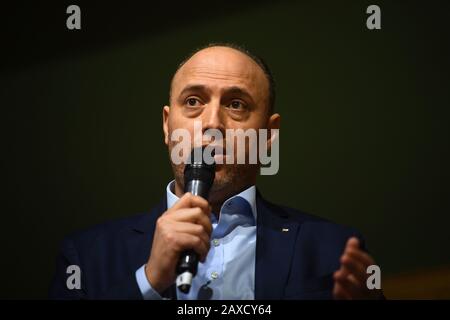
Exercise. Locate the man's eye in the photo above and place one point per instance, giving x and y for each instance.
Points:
(192, 102)
(236, 105)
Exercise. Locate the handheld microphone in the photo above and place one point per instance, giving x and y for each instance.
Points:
(198, 180)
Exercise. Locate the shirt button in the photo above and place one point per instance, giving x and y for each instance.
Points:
(214, 275)
(216, 242)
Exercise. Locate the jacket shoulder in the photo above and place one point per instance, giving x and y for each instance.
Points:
(117, 230)
(314, 224)
(110, 228)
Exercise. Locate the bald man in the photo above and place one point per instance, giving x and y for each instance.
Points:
(248, 247)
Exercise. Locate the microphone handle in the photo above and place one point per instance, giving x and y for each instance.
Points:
(188, 263)
(186, 270)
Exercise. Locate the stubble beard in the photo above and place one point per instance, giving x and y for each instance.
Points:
(229, 180)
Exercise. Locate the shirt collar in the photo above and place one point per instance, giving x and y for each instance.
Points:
(248, 194)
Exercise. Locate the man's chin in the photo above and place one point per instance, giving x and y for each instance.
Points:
(220, 183)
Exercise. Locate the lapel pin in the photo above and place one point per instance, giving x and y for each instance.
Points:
(285, 230)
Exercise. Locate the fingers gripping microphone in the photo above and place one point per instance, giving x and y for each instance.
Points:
(198, 179)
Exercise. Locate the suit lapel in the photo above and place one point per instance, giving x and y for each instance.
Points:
(141, 243)
(143, 229)
(275, 241)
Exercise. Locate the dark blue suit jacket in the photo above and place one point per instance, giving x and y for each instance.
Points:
(293, 264)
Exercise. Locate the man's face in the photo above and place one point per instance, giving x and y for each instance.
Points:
(224, 89)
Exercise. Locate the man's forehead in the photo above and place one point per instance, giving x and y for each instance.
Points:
(221, 64)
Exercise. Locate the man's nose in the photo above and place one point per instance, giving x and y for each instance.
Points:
(213, 117)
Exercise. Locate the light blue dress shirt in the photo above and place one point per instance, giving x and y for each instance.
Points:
(229, 269)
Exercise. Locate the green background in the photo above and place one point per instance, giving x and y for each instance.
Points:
(364, 136)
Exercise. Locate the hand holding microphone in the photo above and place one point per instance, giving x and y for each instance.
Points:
(183, 232)
(198, 180)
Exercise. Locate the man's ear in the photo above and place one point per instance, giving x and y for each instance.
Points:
(166, 111)
(273, 123)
